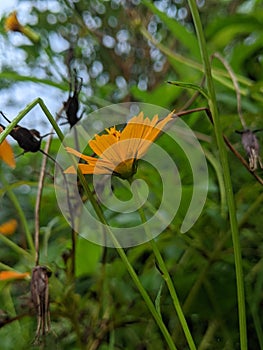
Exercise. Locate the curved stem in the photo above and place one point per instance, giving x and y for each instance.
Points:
(166, 276)
(128, 266)
(236, 87)
(147, 300)
(226, 173)
(23, 113)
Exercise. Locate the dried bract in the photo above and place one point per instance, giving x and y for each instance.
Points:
(40, 298)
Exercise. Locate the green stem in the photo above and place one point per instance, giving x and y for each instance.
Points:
(32, 35)
(23, 113)
(128, 266)
(15, 247)
(22, 218)
(147, 300)
(226, 172)
(6, 267)
(166, 276)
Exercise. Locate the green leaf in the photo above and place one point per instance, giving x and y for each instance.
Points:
(181, 84)
(178, 30)
(222, 31)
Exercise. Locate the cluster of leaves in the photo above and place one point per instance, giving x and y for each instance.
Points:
(126, 51)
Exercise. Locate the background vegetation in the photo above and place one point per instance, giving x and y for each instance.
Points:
(127, 51)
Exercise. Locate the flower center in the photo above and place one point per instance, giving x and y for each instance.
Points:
(126, 169)
(114, 132)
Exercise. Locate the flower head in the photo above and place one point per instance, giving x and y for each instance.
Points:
(118, 151)
(12, 24)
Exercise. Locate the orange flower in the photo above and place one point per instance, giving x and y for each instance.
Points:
(6, 153)
(12, 24)
(9, 227)
(11, 275)
(119, 151)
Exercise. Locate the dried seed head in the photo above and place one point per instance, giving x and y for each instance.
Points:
(251, 146)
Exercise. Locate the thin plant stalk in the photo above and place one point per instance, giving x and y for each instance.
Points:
(166, 276)
(128, 266)
(226, 172)
(236, 86)
(38, 201)
(39, 197)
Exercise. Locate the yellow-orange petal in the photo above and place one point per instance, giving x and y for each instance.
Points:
(100, 167)
(11, 275)
(154, 133)
(138, 127)
(9, 227)
(79, 155)
(102, 143)
(117, 150)
(6, 153)
(88, 159)
(70, 170)
(84, 168)
(142, 132)
(161, 124)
